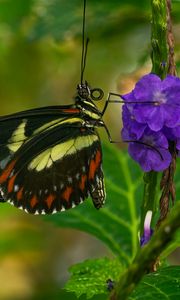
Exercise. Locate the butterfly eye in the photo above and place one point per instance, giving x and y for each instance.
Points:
(97, 94)
(83, 91)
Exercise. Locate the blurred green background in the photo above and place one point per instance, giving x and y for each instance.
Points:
(40, 53)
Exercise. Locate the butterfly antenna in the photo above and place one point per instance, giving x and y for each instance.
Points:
(84, 43)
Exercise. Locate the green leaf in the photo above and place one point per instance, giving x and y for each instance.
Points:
(172, 246)
(90, 277)
(117, 223)
(60, 18)
(14, 12)
(163, 284)
(148, 255)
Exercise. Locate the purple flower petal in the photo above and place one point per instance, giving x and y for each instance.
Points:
(147, 229)
(170, 81)
(172, 115)
(146, 113)
(146, 87)
(165, 97)
(172, 134)
(178, 145)
(173, 95)
(135, 129)
(145, 239)
(128, 97)
(148, 158)
(152, 121)
(151, 151)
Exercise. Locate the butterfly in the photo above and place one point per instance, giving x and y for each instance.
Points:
(51, 157)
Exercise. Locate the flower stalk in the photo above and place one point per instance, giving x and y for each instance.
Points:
(167, 182)
(144, 260)
(159, 57)
(162, 64)
(170, 41)
(159, 53)
(150, 189)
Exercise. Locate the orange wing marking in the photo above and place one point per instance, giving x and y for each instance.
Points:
(82, 182)
(7, 171)
(33, 201)
(19, 194)
(67, 193)
(94, 164)
(11, 183)
(49, 200)
(71, 110)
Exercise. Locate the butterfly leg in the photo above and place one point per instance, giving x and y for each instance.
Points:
(111, 101)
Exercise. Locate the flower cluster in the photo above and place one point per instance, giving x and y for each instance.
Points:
(151, 120)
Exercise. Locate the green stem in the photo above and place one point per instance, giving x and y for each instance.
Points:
(159, 58)
(147, 256)
(149, 197)
(159, 54)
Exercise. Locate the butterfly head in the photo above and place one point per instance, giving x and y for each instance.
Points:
(86, 93)
(85, 101)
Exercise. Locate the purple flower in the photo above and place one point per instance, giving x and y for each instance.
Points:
(134, 129)
(158, 101)
(151, 151)
(178, 146)
(147, 229)
(172, 134)
(151, 119)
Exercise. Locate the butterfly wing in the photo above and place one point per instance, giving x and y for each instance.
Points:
(18, 128)
(53, 168)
